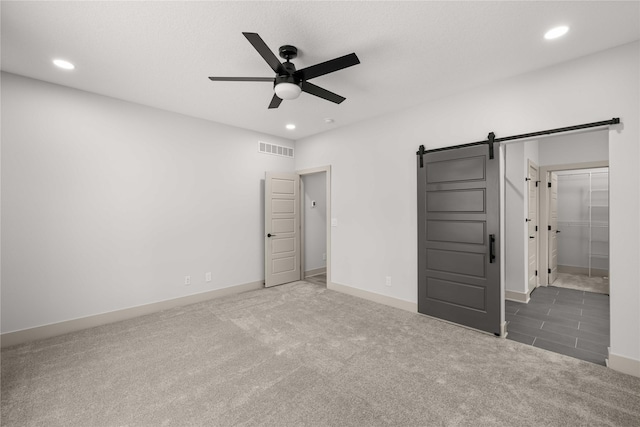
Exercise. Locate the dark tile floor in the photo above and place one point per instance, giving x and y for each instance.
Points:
(566, 321)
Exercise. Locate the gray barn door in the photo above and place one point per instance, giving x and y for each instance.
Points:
(458, 237)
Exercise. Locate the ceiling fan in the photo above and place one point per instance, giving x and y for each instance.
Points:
(289, 82)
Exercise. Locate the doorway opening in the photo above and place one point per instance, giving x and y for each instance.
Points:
(284, 218)
(314, 214)
(572, 237)
(583, 230)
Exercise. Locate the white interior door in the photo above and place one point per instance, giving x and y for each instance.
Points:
(282, 228)
(553, 227)
(532, 218)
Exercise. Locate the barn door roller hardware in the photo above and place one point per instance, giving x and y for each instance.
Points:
(491, 138)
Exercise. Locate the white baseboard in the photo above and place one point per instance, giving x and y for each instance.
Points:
(315, 271)
(372, 296)
(47, 331)
(516, 296)
(624, 364)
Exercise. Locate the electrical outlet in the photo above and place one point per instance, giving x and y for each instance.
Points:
(388, 281)
(187, 280)
(207, 277)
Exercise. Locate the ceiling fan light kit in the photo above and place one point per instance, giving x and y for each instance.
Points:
(289, 83)
(288, 90)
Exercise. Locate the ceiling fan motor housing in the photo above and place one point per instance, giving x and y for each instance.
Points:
(287, 79)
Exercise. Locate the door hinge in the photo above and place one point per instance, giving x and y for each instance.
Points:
(549, 184)
(549, 270)
(537, 182)
(536, 228)
(536, 272)
(549, 227)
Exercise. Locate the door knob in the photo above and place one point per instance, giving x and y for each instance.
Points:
(532, 237)
(271, 235)
(557, 231)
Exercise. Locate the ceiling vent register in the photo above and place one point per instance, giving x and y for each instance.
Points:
(275, 150)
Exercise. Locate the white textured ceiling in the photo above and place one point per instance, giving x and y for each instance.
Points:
(161, 53)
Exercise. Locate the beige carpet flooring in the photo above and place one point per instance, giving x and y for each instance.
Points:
(582, 282)
(302, 355)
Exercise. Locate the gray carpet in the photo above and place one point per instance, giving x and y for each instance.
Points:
(300, 354)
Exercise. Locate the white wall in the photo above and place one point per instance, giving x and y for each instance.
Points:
(516, 211)
(315, 221)
(108, 205)
(374, 178)
(581, 147)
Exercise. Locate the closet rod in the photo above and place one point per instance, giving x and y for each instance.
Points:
(491, 137)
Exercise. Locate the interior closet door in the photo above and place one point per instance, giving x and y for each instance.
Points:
(282, 228)
(553, 228)
(458, 237)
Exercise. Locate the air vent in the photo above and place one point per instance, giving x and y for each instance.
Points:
(275, 150)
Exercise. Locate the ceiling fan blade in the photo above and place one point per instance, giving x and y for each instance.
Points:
(328, 67)
(264, 51)
(242, 79)
(322, 93)
(275, 101)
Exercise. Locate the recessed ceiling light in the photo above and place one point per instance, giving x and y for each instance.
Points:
(66, 65)
(556, 32)
(290, 126)
(329, 120)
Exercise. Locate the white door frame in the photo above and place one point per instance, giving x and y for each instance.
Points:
(531, 164)
(311, 171)
(543, 198)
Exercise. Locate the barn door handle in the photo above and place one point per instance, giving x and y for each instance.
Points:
(271, 235)
(492, 248)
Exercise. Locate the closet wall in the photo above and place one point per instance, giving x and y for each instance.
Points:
(583, 221)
